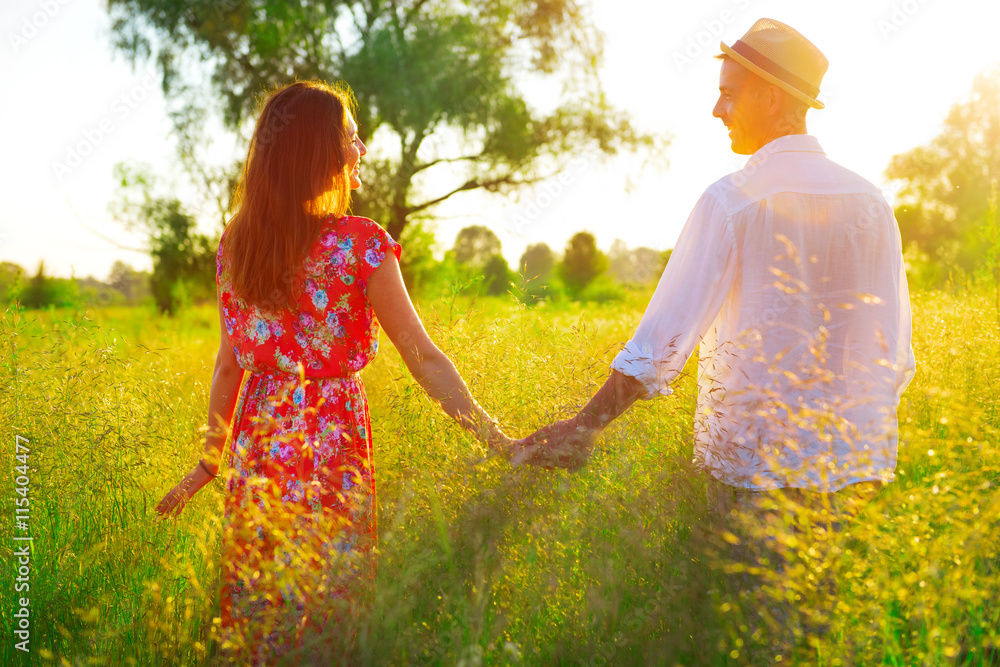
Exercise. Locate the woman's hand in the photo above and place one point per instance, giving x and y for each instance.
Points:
(177, 498)
(501, 443)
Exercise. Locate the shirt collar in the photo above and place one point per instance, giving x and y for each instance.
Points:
(790, 143)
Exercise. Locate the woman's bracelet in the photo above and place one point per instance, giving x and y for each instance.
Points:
(201, 462)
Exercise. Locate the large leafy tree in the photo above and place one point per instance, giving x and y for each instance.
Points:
(946, 185)
(434, 80)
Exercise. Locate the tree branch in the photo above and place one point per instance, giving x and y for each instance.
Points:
(414, 9)
(473, 185)
(427, 165)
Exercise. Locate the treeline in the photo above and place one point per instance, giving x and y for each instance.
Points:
(475, 265)
(124, 286)
(184, 272)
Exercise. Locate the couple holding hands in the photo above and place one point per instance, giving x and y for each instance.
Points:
(788, 274)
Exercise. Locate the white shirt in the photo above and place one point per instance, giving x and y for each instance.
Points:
(790, 274)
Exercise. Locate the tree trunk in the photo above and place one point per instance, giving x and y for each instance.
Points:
(397, 221)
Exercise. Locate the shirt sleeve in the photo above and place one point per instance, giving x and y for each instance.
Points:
(688, 297)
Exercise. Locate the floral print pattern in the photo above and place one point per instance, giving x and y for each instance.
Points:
(301, 441)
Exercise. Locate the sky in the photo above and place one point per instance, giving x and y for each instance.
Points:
(72, 109)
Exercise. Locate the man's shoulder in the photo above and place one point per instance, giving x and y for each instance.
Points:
(730, 192)
(854, 181)
(818, 175)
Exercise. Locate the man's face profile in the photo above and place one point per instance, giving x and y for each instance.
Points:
(741, 107)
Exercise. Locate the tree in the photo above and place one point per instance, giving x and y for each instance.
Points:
(496, 275)
(416, 262)
(36, 293)
(183, 260)
(475, 246)
(946, 185)
(476, 258)
(634, 266)
(537, 263)
(42, 290)
(582, 262)
(536, 266)
(93, 292)
(11, 276)
(133, 285)
(435, 78)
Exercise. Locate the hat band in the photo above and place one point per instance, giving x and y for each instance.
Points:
(773, 68)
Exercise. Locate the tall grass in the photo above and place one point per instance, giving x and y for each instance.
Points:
(478, 563)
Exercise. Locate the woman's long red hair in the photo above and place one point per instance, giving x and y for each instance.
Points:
(294, 177)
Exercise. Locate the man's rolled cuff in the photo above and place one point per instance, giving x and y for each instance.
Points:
(639, 363)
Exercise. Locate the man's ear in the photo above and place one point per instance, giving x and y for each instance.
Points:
(775, 99)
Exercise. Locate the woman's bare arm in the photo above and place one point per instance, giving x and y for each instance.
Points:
(226, 380)
(430, 366)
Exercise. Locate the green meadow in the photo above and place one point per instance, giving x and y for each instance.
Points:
(481, 564)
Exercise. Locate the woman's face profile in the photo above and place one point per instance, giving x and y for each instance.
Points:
(355, 151)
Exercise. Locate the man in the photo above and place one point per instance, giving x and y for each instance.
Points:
(789, 274)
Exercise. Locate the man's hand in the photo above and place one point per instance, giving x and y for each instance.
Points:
(565, 444)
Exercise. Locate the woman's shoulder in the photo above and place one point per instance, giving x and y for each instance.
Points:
(361, 227)
(356, 223)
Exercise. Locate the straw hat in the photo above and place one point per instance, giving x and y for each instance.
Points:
(779, 54)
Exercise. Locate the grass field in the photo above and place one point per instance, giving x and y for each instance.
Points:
(479, 563)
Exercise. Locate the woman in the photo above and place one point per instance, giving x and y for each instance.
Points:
(303, 289)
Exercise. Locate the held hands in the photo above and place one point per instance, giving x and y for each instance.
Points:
(568, 444)
(564, 444)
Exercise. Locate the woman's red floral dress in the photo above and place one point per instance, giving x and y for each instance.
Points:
(300, 484)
